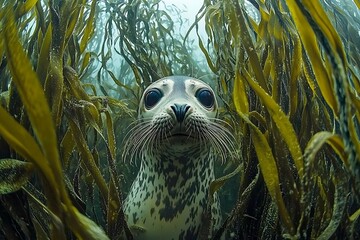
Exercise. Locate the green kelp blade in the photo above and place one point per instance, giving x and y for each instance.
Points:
(76, 14)
(313, 146)
(113, 210)
(352, 129)
(110, 134)
(308, 39)
(88, 158)
(67, 146)
(4, 98)
(296, 66)
(14, 174)
(2, 49)
(118, 82)
(213, 68)
(25, 7)
(44, 56)
(72, 82)
(218, 183)
(42, 213)
(85, 62)
(269, 171)
(83, 227)
(282, 122)
(89, 29)
(354, 216)
(263, 24)
(339, 205)
(92, 114)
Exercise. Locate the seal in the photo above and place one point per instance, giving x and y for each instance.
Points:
(177, 137)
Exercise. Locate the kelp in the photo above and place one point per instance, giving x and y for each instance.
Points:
(289, 67)
(148, 43)
(56, 109)
(286, 72)
(60, 140)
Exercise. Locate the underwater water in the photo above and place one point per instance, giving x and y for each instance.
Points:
(286, 78)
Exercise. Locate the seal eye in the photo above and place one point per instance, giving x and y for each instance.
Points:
(152, 97)
(205, 97)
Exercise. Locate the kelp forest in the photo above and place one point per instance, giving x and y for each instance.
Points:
(287, 78)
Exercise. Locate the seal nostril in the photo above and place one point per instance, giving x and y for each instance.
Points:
(180, 111)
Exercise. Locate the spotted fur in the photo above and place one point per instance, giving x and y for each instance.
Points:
(170, 194)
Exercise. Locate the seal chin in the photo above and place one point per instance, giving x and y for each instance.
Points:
(181, 136)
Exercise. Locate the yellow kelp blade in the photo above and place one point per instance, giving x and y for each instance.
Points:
(236, 16)
(32, 96)
(13, 174)
(21, 141)
(308, 39)
(282, 122)
(357, 2)
(269, 171)
(35, 103)
(319, 139)
(24, 144)
(239, 94)
(34, 100)
(323, 22)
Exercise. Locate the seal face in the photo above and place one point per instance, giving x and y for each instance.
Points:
(177, 137)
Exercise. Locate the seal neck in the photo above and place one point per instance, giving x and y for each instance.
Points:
(175, 159)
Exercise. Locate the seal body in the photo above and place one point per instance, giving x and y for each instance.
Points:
(177, 139)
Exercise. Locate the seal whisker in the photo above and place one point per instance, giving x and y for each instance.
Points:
(135, 139)
(224, 138)
(224, 132)
(214, 141)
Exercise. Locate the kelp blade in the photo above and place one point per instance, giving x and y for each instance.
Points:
(309, 41)
(14, 174)
(32, 95)
(269, 171)
(35, 102)
(282, 122)
(22, 142)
